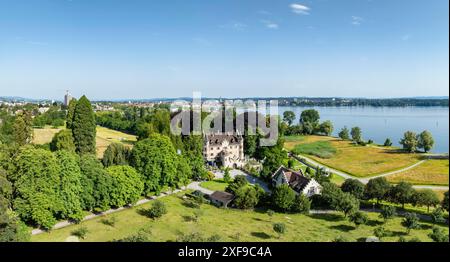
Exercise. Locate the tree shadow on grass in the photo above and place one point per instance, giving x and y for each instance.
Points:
(260, 210)
(328, 217)
(343, 228)
(374, 223)
(261, 235)
(398, 233)
(260, 219)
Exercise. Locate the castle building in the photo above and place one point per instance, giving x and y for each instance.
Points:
(224, 149)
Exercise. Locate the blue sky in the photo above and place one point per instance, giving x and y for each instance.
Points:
(228, 48)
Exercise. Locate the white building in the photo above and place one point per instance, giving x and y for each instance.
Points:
(223, 149)
(67, 98)
(297, 181)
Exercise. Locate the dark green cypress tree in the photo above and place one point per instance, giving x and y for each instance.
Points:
(84, 127)
(70, 113)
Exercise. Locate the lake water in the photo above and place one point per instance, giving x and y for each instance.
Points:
(379, 123)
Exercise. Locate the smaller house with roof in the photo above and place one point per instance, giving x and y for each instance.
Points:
(221, 199)
(297, 181)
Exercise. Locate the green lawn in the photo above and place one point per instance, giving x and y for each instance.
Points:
(214, 185)
(232, 225)
(360, 161)
(322, 149)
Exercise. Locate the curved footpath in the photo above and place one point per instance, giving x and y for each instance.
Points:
(365, 180)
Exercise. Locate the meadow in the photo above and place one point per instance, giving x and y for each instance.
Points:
(359, 161)
(105, 137)
(431, 172)
(232, 225)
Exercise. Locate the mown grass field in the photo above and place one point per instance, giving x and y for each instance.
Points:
(432, 172)
(214, 185)
(44, 135)
(104, 137)
(233, 225)
(360, 161)
(322, 149)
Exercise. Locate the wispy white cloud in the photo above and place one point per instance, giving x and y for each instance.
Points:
(300, 9)
(356, 20)
(238, 26)
(270, 24)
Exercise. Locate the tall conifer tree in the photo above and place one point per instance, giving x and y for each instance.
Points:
(84, 127)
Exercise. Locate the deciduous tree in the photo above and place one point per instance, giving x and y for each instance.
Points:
(127, 185)
(156, 160)
(116, 154)
(37, 187)
(344, 133)
(289, 117)
(425, 141)
(70, 185)
(409, 141)
(63, 140)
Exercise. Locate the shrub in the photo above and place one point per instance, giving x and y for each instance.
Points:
(141, 236)
(111, 221)
(157, 210)
(411, 221)
(388, 212)
(380, 232)
(301, 204)
(80, 232)
(388, 142)
(246, 197)
(438, 235)
(359, 218)
(279, 228)
(283, 197)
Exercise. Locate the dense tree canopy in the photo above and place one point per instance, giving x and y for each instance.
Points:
(283, 197)
(425, 141)
(127, 185)
(63, 140)
(70, 185)
(326, 128)
(377, 188)
(37, 187)
(344, 134)
(71, 113)
(84, 127)
(409, 141)
(23, 130)
(354, 187)
(116, 154)
(156, 160)
(401, 193)
(356, 134)
(289, 117)
(96, 184)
